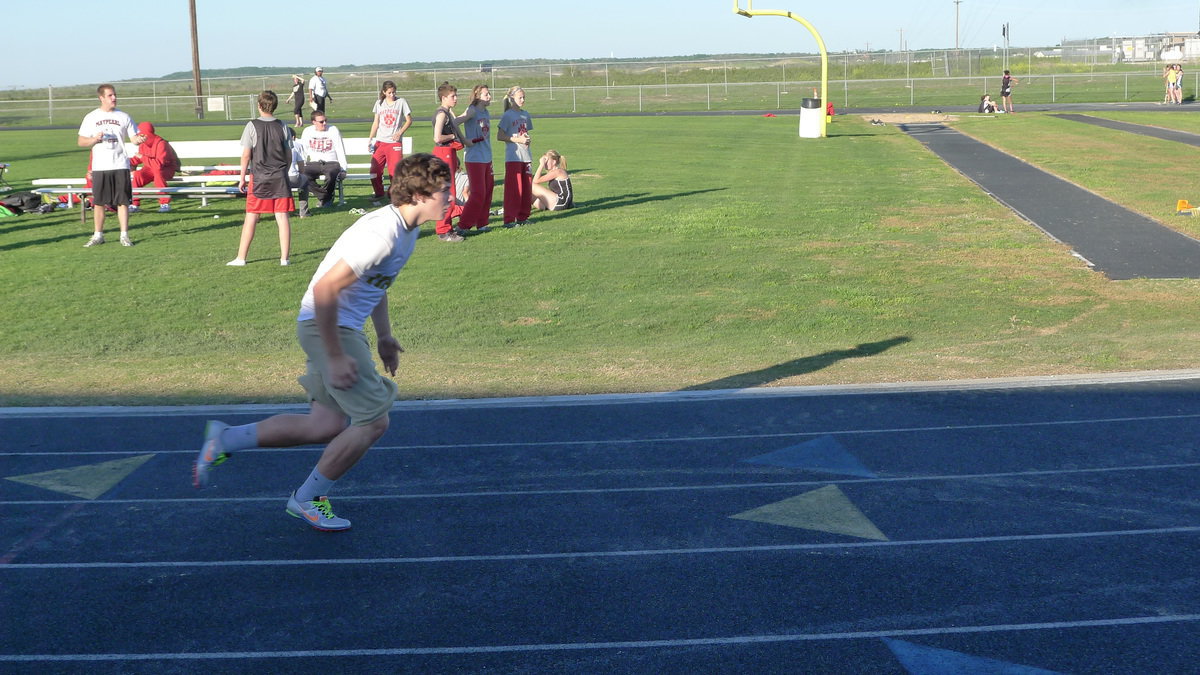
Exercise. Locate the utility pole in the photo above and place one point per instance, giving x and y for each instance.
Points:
(196, 61)
(956, 4)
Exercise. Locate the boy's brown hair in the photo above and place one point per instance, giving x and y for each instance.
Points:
(419, 175)
(268, 101)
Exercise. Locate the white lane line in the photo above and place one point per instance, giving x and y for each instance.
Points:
(627, 644)
(674, 439)
(620, 490)
(825, 390)
(572, 555)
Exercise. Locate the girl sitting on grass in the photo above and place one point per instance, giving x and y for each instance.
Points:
(552, 189)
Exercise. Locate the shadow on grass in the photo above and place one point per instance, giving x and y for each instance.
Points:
(618, 202)
(807, 364)
(27, 221)
(138, 225)
(81, 232)
(15, 158)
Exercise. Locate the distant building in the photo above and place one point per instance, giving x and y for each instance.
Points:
(1167, 47)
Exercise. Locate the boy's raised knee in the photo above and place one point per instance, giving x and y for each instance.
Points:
(379, 426)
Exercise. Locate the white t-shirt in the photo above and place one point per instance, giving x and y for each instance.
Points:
(323, 146)
(109, 154)
(515, 122)
(479, 127)
(376, 247)
(391, 118)
(317, 86)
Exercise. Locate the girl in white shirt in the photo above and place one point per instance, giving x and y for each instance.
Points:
(392, 118)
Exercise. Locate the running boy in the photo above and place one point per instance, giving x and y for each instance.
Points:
(104, 130)
(350, 400)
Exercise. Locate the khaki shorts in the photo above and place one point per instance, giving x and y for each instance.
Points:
(370, 397)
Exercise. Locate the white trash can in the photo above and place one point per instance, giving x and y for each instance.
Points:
(810, 118)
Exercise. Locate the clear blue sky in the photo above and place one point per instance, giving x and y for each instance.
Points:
(63, 42)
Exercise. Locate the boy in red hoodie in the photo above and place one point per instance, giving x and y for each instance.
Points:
(158, 163)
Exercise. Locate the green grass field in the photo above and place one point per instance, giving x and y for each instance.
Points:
(708, 252)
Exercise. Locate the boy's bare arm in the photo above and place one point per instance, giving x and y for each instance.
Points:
(343, 371)
(388, 346)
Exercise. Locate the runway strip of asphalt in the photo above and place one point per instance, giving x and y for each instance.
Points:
(1118, 242)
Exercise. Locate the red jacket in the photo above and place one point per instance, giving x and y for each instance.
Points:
(156, 153)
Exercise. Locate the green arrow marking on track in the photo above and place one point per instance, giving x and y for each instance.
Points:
(88, 481)
(825, 510)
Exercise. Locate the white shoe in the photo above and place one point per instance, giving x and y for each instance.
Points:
(96, 240)
(164, 208)
(125, 241)
(135, 209)
(236, 262)
(284, 262)
(212, 453)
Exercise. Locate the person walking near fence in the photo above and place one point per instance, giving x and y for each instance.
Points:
(318, 90)
(296, 98)
(1006, 85)
(386, 138)
(514, 129)
(104, 130)
(349, 399)
(158, 163)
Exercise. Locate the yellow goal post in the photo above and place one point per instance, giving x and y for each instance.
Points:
(749, 12)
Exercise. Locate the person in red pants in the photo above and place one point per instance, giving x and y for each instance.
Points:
(392, 118)
(447, 140)
(477, 124)
(514, 129)
(158, 164)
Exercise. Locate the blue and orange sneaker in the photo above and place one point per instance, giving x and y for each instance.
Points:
(212, 453)
(318, 513)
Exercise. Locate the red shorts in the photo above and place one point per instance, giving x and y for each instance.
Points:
(256, 205)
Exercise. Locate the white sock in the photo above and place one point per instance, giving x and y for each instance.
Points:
(241, 437)
(316, 486)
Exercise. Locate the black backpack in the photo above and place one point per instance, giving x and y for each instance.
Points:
(22, 202)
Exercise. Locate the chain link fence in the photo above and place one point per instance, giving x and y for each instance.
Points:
(929, 78)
